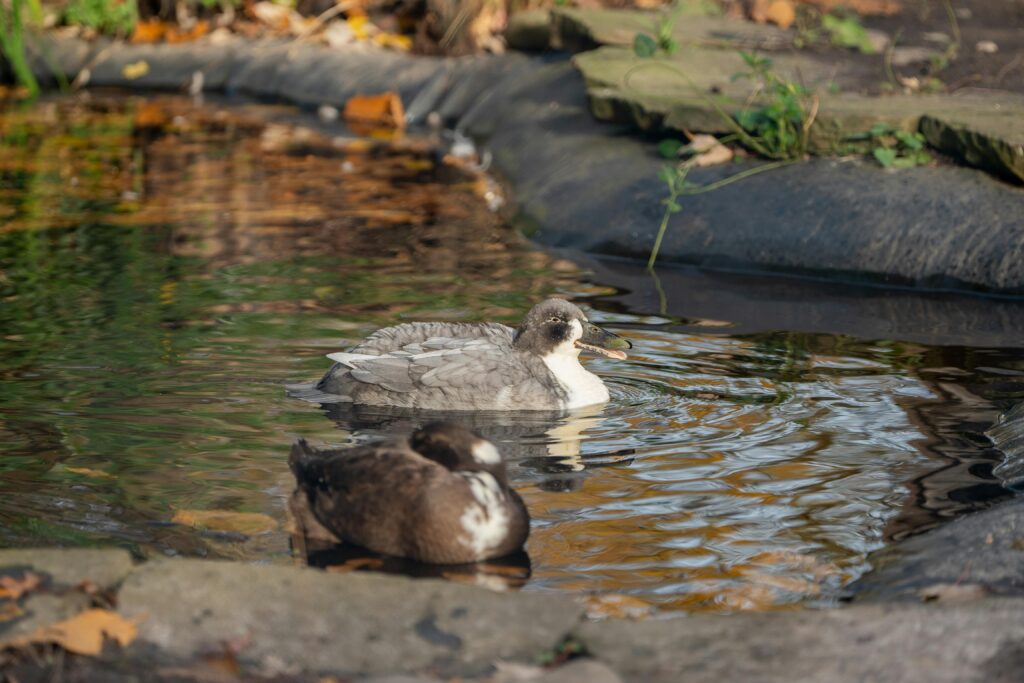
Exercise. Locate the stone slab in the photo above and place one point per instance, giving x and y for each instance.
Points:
(976, 641)
(585, 29)
(529, 30)
(980, 553)
(70, 566)
(299, 620)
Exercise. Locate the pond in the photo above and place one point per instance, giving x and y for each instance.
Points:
(168, 267)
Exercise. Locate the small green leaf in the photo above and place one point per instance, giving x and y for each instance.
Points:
(673, 206)
(886, 157)
(880, 129)
(910, 140)
(669, 148)
(644, 46)
(667, 175)
(670, 46)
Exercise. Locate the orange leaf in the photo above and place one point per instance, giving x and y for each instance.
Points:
(383, 110)
(13, 588)
(82, 634)
(149, 31)
(198, 31)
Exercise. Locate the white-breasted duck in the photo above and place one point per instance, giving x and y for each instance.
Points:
(478, 366)
(439, 496)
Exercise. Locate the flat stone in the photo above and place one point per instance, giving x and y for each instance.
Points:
(975, 641)
(529, 30)
(301, 620)
(695, 91)
(585, 29)
(983, 551)
(70, 566)
(989, 137)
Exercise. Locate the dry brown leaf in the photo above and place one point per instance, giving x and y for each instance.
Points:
(9, 610)
(381, 111)
(82, 634)
(248, 523)
(12, 588)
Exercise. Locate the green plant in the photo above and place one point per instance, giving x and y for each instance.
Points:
(779, 127)
(645, 45)
(894, 148)
(846, 31)
(12, 42)
(106, 16)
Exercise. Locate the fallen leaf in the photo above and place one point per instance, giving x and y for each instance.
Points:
(12, 588)
(135, 70)
(9, 610)
(393, 40)
(248, 523)
(200, 29)
(82, 634)
(706, 150)
(149, 31)
(87, 472)
(781, 13)
(381, 111)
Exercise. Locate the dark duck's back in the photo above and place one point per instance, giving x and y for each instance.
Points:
(440, 496)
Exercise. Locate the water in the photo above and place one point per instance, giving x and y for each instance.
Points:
(166, 269)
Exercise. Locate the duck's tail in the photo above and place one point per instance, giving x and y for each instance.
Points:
(306, 463)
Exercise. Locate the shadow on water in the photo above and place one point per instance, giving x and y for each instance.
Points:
(167, 269)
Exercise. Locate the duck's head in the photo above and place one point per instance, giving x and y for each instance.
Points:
(557, 326)
(458, 449)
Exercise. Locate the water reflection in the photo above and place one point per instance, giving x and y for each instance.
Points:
(166, 270)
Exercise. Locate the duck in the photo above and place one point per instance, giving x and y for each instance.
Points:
(478, 366)
(439, 495)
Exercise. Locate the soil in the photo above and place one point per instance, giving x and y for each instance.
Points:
(925, 23)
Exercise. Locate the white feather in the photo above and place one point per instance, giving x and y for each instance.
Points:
(486, 522)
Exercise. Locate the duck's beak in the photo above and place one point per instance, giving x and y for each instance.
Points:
(601, 341)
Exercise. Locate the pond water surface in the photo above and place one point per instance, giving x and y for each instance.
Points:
(166, 269)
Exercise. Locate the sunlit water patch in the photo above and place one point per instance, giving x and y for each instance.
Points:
(166, 269)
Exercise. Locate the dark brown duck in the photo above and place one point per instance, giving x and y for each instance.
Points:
(440, 495)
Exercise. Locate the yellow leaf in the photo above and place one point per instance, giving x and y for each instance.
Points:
(135, 70)
(782, 13)
(222, 520)
(393, 40)
(82, 634)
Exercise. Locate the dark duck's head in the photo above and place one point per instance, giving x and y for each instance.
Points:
(559, 327)
(458, 449)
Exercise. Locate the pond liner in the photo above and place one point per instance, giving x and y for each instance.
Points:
(593, 187)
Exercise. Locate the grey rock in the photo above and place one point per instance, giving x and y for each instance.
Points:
(296, 620)
(581, 671)
(70, 566)
(981, 552)
(975, 641)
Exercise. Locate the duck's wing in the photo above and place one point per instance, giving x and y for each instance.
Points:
(410, 337)
(444, 364)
